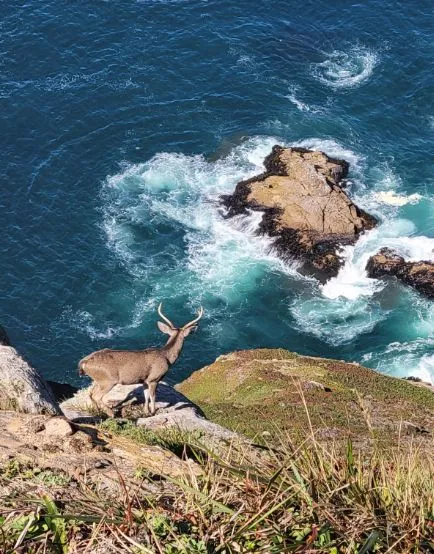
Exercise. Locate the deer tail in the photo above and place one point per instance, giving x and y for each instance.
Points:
(81, 367)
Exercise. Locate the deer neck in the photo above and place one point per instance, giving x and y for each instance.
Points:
(173, 347)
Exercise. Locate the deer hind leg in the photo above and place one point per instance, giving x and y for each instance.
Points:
(94, 393)
(103, 389)
(152, 388)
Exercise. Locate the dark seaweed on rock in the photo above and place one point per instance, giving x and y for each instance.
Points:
(419, 275)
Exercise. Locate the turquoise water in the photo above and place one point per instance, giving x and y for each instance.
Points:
(122, 124)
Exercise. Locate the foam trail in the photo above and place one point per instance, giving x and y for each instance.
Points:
(302, 106)
(346, 68)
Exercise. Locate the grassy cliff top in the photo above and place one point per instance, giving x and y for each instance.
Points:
(73, 488)
(253, 391)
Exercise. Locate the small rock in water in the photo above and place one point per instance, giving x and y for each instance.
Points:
(419, 275)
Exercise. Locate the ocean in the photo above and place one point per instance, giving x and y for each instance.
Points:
(122, 124)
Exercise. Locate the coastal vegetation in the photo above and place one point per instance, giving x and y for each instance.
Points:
(343, 466)
(296, 496)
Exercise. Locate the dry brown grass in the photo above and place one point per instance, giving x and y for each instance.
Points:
(297, 496)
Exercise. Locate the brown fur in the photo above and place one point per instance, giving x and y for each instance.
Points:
(109, 367)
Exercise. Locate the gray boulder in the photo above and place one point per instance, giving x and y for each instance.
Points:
(23, 389)
(173, 410)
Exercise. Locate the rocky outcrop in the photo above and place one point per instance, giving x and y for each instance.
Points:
(173, 410)
(22, 388)
(305, 207)
(387, 263)
(55, 443)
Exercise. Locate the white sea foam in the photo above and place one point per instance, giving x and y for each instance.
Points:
(335, 150)
(352, 280)
(346, 68)
(406, 358)
(223, 256)
(226, 259)
(336, 321)
(101, 330)
(347, 306)
(293, 97)
(392, 199)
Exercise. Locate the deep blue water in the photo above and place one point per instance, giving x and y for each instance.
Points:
(122, 123)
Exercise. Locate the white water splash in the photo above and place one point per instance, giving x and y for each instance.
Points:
(149, 206)
(346, 68)
(391, 198)
(293, 97)
(403, 359)
(223, 256)
(352, 280)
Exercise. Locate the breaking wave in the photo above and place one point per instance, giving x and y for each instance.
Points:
(163, 222)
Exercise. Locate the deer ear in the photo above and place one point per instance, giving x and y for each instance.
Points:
(165, 328)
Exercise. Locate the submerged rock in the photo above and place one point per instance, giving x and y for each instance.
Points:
(305, 207)
(419, 275)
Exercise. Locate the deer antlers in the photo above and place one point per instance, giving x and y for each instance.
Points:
(190, 324)
(199, 315)
(160, 313)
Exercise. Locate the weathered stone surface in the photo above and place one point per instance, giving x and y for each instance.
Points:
(58, 427)
(304, 206)
(22, 388)
(173, 409)
(419, 275)
(87, 452)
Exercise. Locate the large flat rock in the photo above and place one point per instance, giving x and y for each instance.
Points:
(173, 410)
(305, 207)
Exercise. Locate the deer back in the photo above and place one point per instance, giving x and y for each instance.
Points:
(124, 366)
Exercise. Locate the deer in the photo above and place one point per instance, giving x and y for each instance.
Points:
(108, 367)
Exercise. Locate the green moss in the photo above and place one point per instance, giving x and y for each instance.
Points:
(170, 438)
(257, 390)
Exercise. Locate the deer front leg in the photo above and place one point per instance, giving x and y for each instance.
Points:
(146, 393)
(152, 390)
(94, 392)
